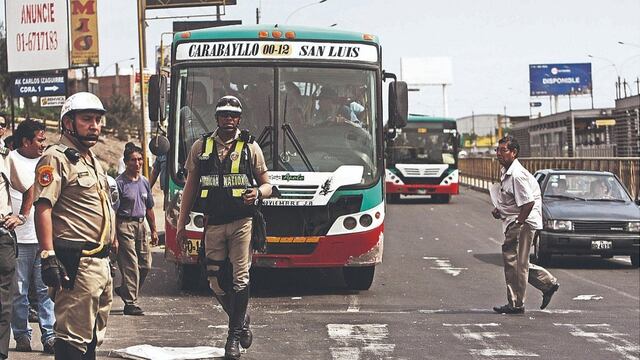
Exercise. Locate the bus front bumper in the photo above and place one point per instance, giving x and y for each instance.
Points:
(421, 189)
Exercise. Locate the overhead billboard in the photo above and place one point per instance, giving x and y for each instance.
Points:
(560, 79)
(37, 35)
(166, 4)
(426, 71)
(84, 33)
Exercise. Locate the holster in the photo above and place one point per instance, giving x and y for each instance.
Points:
(69, 253)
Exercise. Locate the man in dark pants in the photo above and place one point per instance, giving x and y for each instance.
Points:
(73, 216)
(224, 168)
(8, 222)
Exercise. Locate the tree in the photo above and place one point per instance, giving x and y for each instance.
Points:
(5, 79)
(122, 115)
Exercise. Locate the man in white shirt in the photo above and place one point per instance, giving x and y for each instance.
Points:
(30, 140)
(519, 206)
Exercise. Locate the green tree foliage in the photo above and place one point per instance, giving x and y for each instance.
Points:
(5, 81)
(122, 116)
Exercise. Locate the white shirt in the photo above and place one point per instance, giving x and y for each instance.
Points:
(519, 187)
(22, 172)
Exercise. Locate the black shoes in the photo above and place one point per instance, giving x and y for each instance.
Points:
(49, 345)
(232, 347)
(546, 296)
(134, 310)
(508, 309)
(246, 336)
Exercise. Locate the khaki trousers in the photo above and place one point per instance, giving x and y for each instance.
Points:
(232, 240)
(134, 257)
(86, 306)
(517, 269)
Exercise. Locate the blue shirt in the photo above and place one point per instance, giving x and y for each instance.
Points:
(135, 196)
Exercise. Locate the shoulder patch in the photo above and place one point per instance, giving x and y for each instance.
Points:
(44, 174)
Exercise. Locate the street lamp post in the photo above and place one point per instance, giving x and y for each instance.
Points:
(616, 69)
(303, 7)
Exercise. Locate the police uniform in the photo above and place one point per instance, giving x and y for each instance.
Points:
(226, 169)
(7, 259)
(78, 191)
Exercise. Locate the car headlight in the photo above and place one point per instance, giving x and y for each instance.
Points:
(559, 225)
(633, 226)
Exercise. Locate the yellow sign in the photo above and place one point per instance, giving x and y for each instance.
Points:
(605, 122)
(84, 33)
(422, 130)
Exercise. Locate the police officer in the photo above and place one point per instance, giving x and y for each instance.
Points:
(73, 217)
(226, 175)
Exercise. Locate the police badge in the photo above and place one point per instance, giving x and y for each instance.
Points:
(234, 156)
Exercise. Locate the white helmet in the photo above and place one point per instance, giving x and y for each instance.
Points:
(82, 101)
(229, 103)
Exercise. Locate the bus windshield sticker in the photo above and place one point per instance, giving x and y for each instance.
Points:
(276, 50)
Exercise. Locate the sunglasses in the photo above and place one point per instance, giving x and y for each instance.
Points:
(231, 114)
(228, 101)
(2, 125)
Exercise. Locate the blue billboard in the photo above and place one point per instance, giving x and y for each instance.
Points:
(560, 79)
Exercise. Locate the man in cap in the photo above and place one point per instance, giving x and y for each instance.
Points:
(73, 217)
(226, 175)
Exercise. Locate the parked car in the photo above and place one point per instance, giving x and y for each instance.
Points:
(586, 213)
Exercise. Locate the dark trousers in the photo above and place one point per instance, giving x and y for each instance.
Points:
(7, 275)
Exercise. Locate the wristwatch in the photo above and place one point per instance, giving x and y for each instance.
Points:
(46, 253)
(22, 218)
(518, 223)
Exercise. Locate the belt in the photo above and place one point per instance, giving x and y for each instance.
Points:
(131, 218)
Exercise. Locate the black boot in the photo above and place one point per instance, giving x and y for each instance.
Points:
(232, 347)
(246, 336)
(64, 351)
(236, 323)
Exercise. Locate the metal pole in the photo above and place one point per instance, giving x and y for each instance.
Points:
(141, 54)
(444, 100)
(573, 135)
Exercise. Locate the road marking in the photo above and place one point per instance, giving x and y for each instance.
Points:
(493, 240)
(360, 341)
(444, 264)
(620, 292)
(490, 341)
(603, 335)
(469, 225)
(353, 304)
(587, 297)
(416, 311)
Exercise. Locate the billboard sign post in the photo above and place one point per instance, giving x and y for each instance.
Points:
(560, 79)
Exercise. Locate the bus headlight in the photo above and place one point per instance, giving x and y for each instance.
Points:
(349, 223)
(198, 221)
(633, 226)
(366, 220)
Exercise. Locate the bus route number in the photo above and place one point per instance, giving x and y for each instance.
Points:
(276, 49)
(192, 246)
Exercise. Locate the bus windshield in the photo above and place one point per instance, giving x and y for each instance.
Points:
(325, 116)
(424, 143)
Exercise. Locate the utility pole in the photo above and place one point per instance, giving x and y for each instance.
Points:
(143, 113)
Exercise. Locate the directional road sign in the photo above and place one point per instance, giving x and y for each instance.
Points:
(38, 85)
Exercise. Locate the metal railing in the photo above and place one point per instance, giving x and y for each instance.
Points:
(481, 172)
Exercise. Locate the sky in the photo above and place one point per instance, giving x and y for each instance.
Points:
(490, 42)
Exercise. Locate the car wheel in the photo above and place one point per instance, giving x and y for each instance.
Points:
(540, 256)
(635, 260)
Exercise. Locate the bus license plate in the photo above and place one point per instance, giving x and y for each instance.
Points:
(192, 247)
(600, 244)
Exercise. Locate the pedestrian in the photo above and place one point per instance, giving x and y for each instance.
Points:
(134, 251)
(30, 141)
(519, 206)
(224, 186)
(3, 131)
(73, 218)
(8, 222)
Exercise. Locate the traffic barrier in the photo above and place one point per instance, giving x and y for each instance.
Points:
(482, 172)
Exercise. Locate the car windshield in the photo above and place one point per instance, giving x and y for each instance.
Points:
(585, 187)
(326, 116)
(427, 143)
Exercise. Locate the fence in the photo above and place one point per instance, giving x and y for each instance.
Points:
(481, 172)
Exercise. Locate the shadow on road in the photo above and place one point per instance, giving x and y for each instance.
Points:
(297, 282)
(493, 258)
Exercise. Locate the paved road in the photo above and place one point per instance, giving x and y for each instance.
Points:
(431, 299)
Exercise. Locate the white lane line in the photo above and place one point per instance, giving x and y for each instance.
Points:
(417, 311)
(353, 304)
(469, 225)
(587, 297)
(445, 265)
(619, 292)
(360, 341)
(493, 240)
(603, 334)
(491, 341)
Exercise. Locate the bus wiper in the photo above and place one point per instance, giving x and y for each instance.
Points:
(612, 200)
(266, 136)
(288, 131)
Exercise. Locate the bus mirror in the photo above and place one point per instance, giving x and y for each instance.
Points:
(398, 104)
(159, 145)
(157, 97)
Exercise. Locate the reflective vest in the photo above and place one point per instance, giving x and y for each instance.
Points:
(222, 182)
